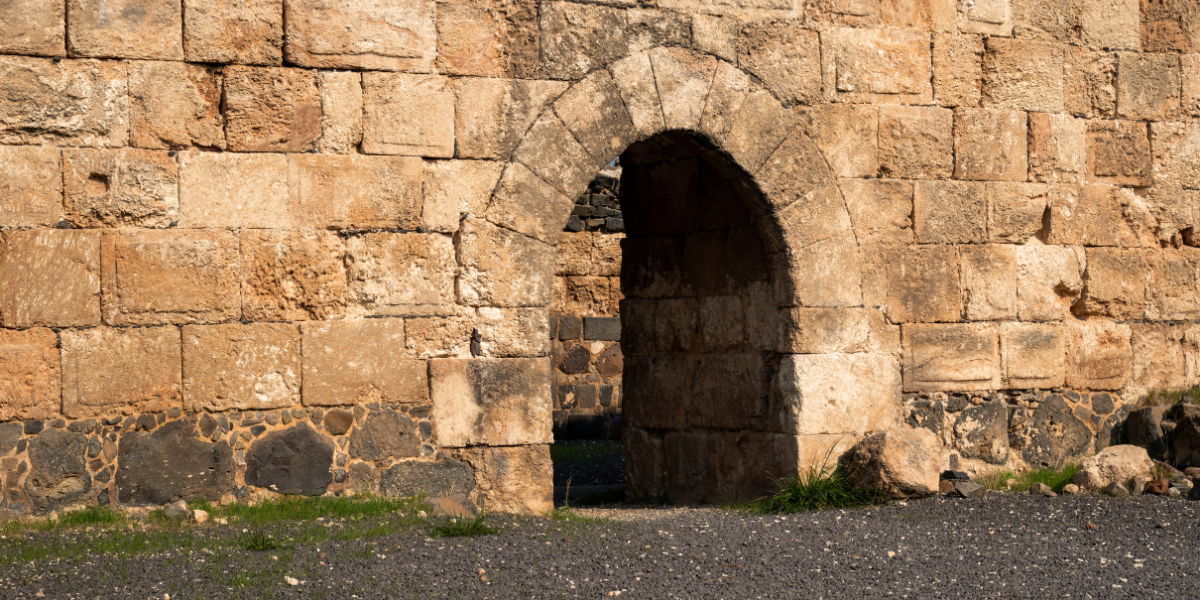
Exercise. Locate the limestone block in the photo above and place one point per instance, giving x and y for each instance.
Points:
(849, 139)
(756, 129)
(989, 282)
(512, 479)
(63, 103)
(1170, 26)
(951, 357)
(786, 58)
(1048, 21)
(656, 387)
(438, 337)
(729, 392)
(1158, 356)
(292, 276)
(957, 69)
(920, 283)
(676, 326)
(1049, 280)
(606, 257)
(881, 211)
(513, 332)
(1023, 75)
(991, 17)
(916, 142)
(1111, 24)
(645, 476)
(1190, 66)
(50, 278)
(722, 323)
(981, 432)
(573, 254)
(794, 171)
(499, 267)
(30, 384)
(826, 273)
(716, 35)
(494, 114)
(1148, 86)
(495, 402)
(1118, 153)
(175, 105)
(577, 38)
(1171, 278)
(1099, 355)
(838, 393)
(1088, 216)
(762, 316)
(470, 38)
(169, 277)
(1057, 148)
(357, 362)
(411, 115)
(990, 144)
(1114, 284)
(33, 27)
(553, 154)
(232, 191)
(151, 29)
(1015, 210)
(525, 203)
(341, 112)
(271, 109)
(1090, 87)
(634, 77)
(229, 31)
(901, 463)
(401, 273)
(115, 188)
(684, 79)
(388, 35)
(883, 65)
(121, 371)
(592, 109)
(1173, 210)
(356, 191)
(240, 366)
(453, 188)
(31, 186)
(591, 296)
(824, 330)
(1176, 154)
(821, 216)
(822, 449)
(1032, 355)
(949, 212)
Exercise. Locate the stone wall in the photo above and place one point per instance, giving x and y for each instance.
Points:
(208, 211)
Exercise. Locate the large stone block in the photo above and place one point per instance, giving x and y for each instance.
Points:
(495, 402)
(915, 283)
(1092, 215)
(1176, 154)
(880, 211)
(981, 432)
(1148, 86)
(150, 29)
(357, 362)
(722, 323)
(573, 254)
(1099, 355)
(434, 479)
(49, 278)
(949, 212)
(957, 69)
(356, 191)
(499, 267)
(989, 282)
(684, 80)
(1114, 284)
(848, 135)
(453, 188)
(1015, 211)
(525, 203)
(634, 77)
(863, 65)
(553, 154)
(1170, 26)
(1190, 65)
(824, 330)
(729, 391)
(434, 337)
(31, 186)
(1049, 281)
(30, 384)
(114, 371)
(1057, 148)
(232, 191)
(594, 112)
(794, 171)
(821, 215)
(1032, 355)
(233, 31)
(271, 109)
(411, 115)
(64, 103)
(341, 112)
(121, 188)
(401, 273)
(1171, 279)
(991, 17)
(951, 357)
(152, 277)
(387, 35)
(990, 144)
(826, 273)
(901, 463)
(170, 464)
(786, 58)
(33, 27)
(240, 366)
(296, 460)
(1158, 357)
(1090, 89)
(175, 105)
(58, 477)
(513, 332)
(916, 142)
(512, 480)
(1118, 153)
(838, 393)
(577, 38)
(470, 38)
(1023, 75)
(292, 276)
(1173, 210)
(656, 387)
(494, 114)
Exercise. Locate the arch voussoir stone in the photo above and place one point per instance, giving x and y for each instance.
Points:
(594, 112)
(634, 77)
(525, 203)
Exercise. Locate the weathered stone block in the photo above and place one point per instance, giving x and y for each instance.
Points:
(1190, 66)
(1176, 154)
(820, 216)
(677, 326)
(31, 185)
(592, 109)
(513, 332)
(655, 390)
(573, 254)
(1111, 24)
(990, 144)
(880, 211)
(1171, 278)
(989, 282)
(794, 171)
(916, 142)
(390, 36)
(1169, 26)
(30, 385)
(453, 188)
(115, 371)
(49, 278)
(357, 362)
(634, 77)
(729, 392)
(494, 114)
(411, 115)
(448, 337)
(1089, 216)
(577, 38)
(1057, 148)
(57, 475)
(848, 136)
(170, 464)
(497, 402)
(356, 192)
(863, 65)
(292, 276)
(915, 283)
(1158, 357)
(786, 58)
(756, 129)
(1015, 211)
(824, 330)
(957, 69)
(435, 479)
(175, 105)
(296, 460)
(65, 103)
(1032, 355)
(240, 366)
(150, 29)
(722, 323)
(949, 212)
(838, 393)
(586, 295)
(1118, 153)
(525, 203)
(991, 17)
(553, 154)
(1048, 21)
(271, 109)
(32, 27)
(1148, 86)
(1057, 436)
(1023, 75)
(1099, 355)
(401, 273)
(341, 112)
(982, 432)
(951, 357)
(229, 31)
(502, 268)
(823, 274)
(1114, 284)
(1090, 89)
(1049, 280)
(652, 27)
(470, 38)
(114, 188)
(512, 480)
(684, 80)
(232, 191)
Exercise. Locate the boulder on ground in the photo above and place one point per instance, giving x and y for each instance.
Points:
(1114, 464)
(902, 463)
(177, 511)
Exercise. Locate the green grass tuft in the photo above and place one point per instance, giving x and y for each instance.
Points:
(257, 541)
(1167, 397)
(463, 528)
(817, 488)
(1055, 477)
(302, 508)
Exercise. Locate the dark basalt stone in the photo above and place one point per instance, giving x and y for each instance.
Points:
(385, 434)
(929, 414)
(57, 475)
(979, 428)
(435, 479)
(170, 464)
(1186, 441)
(1056, 435)
(296, 460)
(1145, 430)
(9, 434)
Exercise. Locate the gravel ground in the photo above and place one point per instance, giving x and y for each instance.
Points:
(1001, 546)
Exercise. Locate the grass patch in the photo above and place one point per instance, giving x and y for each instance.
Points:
(257, 541)
(1167, 397)
(817, 488)
(1055, 477)
(463, 528)
(302, 508)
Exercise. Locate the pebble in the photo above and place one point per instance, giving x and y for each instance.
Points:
(968, 489)
(176, 511)
(1116, 490)
(291, 580)
(1070, 489)
(200, 516)
(1043, 489)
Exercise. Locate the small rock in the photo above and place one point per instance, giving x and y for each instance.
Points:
(1112, 465)
(1070, 489)
(1173, 492)
(176, 511)
(291, 580)
(901, 462)
(1116, 490)
(200, 516)
(945, 486)
(1042, 489)
(969, 489)
(1137, 486)
(1192, 471)
(453, 506)
(1157, 487)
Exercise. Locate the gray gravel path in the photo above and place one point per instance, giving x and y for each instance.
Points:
(1001, 546)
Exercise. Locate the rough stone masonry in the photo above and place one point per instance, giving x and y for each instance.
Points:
(242, 254)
